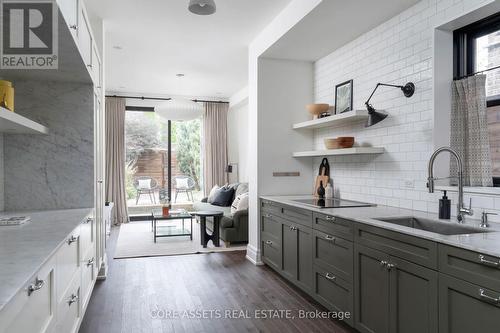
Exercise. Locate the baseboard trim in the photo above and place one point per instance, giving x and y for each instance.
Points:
(253, 255)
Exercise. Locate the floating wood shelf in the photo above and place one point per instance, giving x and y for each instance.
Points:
(334, 121)
(339, 152)
(13, 123)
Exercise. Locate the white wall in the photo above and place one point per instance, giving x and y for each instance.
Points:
(398, 51)
(292, 14)
(237, 131)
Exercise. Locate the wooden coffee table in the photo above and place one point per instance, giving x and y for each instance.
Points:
(205, 237)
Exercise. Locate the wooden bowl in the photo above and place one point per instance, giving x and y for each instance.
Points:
(340, 142)
(317, 109)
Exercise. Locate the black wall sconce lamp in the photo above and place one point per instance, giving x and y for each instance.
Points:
(375, 116)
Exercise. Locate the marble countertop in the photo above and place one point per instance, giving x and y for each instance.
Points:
(487, 243)
(25, 248)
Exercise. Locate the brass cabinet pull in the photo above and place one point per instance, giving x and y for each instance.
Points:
(384, 263)
(74, 27)
(329, 276)
(488, 298)
(72, 299)
(484, 261)
(268, 242)
(35, 286)
(72, 239)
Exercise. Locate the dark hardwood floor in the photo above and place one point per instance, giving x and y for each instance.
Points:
(139, 294)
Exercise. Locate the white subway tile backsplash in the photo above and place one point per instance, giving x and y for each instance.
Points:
(397, 51)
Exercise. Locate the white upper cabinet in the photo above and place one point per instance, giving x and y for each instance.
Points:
(70, 9)
(85, 37)
(96, 67)
(75, 15)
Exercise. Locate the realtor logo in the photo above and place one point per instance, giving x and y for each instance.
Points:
(28, 34)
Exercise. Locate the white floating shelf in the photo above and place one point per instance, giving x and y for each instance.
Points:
(345, 151)
(333, 121)
(13, 123)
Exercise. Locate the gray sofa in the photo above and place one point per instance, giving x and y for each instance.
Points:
(233, 228)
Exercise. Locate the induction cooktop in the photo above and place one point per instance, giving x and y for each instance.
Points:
(333, 203)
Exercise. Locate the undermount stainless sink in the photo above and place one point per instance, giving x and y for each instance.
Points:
(433, 226)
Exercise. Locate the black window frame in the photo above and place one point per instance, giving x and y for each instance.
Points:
(464, 52)
(464, 48)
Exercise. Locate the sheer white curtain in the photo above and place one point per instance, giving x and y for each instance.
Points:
(115, 158)
(469, 131)
(215, 145)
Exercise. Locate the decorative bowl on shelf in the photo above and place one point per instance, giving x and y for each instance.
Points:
(339, 143)
(317, 109)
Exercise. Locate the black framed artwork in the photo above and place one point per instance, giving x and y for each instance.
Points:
(343, 97)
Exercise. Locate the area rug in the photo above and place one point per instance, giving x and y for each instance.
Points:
(136, 240)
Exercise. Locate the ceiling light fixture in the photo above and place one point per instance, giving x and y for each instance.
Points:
(117, 47)
(202, 7)
(179, 109)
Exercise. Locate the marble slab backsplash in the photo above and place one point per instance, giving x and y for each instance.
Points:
(52, 171)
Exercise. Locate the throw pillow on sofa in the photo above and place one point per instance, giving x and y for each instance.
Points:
(223, 197)
(240, 203)
(242, 188)
(212, 193)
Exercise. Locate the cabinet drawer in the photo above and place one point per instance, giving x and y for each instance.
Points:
(471, 266)
(293, 214)
(68, 308)
(334, 225)
(88, 276)
(86, 235)
(297, 215)
(270, 225)
(465, 307)
(68, 262)
(333, 292)
(414, 249)
(271, 251)
(33, 308)
(270, 207)
(334, 254)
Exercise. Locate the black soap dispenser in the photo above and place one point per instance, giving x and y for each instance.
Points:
(444, 207)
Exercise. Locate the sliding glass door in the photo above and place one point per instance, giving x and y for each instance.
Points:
(149, 148)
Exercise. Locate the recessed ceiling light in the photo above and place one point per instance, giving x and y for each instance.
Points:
(180, 75)
(117, 47)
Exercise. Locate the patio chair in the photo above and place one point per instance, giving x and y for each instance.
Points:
(142, 186)
(183, 184)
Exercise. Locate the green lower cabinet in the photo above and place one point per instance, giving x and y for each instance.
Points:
(297, 254)
(413, 303)
(371, 290)
(394, 295)
(334, 293)
(290, 252)
(305, 263)
(465, 307)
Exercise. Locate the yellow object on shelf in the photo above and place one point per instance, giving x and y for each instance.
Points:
(7, 95)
